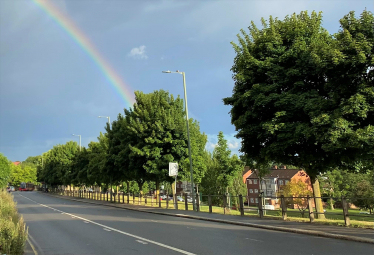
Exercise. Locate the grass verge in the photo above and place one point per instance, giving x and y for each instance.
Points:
(13, 232)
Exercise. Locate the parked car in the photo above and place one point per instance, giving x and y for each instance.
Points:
(189, 199)
(12, 188)
(163, 197)
(180, 199)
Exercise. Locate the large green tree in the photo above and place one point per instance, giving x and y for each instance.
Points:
(4, 170)
(304, 97)
(148, 137)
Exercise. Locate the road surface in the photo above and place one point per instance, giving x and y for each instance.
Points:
(60, 226)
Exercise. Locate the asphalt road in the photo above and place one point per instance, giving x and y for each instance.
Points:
(59, 226)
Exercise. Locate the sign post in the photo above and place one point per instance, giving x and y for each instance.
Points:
(173, 171)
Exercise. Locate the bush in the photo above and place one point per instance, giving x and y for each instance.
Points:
(13, 232)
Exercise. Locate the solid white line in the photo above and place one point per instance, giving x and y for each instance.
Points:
(118, 231)
(254, 240)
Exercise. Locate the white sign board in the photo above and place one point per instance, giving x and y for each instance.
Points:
(173, 169)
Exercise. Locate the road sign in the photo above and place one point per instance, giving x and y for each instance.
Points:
(173, 169)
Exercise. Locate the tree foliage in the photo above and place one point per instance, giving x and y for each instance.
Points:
(302, 96)
(4, 170)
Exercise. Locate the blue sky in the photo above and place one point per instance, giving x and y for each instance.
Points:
(50, 88)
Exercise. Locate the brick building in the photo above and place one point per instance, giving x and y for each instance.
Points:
(271, 183)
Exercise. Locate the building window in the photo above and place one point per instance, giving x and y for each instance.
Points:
(280, 182)
(256, 200)
(254, 181)
(250, 190)
(249, 181)
(286, 182)
(256, 190)
(252, 201)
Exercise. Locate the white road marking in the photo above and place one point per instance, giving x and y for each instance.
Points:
(154, 220)
(107, 229)
(116, 230)
(140, 241)
(85, 221)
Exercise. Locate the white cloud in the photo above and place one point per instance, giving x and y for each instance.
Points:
(138, 52)
(233, 145)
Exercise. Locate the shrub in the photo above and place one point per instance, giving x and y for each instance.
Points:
(13, 232)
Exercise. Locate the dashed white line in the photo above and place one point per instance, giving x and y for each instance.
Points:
(140, 241)
(107, 229)
(254, 240)
(85, 221)
(116, 230)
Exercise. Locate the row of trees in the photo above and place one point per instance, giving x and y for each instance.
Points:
(15, 174)
(136, 150)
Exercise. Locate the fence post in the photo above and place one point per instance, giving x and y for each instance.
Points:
(260, 211)
(159, 200)
(145, 200)
(210, 203)
(185, 202)
(345, 212)
(241, 205)
(197, 202)
(310, 208)
(176, 201)
(167, 199)
(284, 207)
(133, 198)
(139, 199)
(224, 204)
(152, 199)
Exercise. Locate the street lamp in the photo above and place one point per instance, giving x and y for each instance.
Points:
(188, 134)
(80, 147)
(107, 118)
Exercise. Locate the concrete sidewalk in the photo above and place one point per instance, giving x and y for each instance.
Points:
(337, 232)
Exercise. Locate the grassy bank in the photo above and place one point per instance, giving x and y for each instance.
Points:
(13, 232)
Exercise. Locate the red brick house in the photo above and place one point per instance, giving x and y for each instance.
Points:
(271, 183)
(17, 163)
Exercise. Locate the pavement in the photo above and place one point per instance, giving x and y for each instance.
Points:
(63, 226)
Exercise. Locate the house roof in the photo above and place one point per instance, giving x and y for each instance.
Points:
(17, 163)
(247, 172)
(280, 173)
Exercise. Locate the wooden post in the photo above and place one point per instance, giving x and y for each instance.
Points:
(241, 205)
(133, 198)
(210, 203)
(224, 204)
(139, 198)
(145, 200)
(197, 202)
(310, 208)
(284, 207)
(176, 201)
(128, 198)
(345, 212)
(260, 210)
(152, 199)
(167, 199)
(185, 202)
(159, 200)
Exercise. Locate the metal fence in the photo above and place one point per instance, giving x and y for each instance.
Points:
(281, 207)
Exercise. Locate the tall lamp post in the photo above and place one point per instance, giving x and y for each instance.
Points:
(80, 147)
(188, 134)
(111, 175)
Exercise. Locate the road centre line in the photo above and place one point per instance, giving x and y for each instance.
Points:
(116, 230)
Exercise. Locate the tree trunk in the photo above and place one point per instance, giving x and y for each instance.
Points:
(331, 203)
(318, 200)
(157, 191)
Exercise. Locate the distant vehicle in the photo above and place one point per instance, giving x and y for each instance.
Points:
(163, 197)
(180, 199)
(26, 186)
(189, 199)
(12, 188)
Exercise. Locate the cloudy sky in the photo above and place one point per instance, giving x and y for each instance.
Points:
(50, 88)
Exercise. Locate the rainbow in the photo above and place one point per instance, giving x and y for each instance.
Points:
(86, 45)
